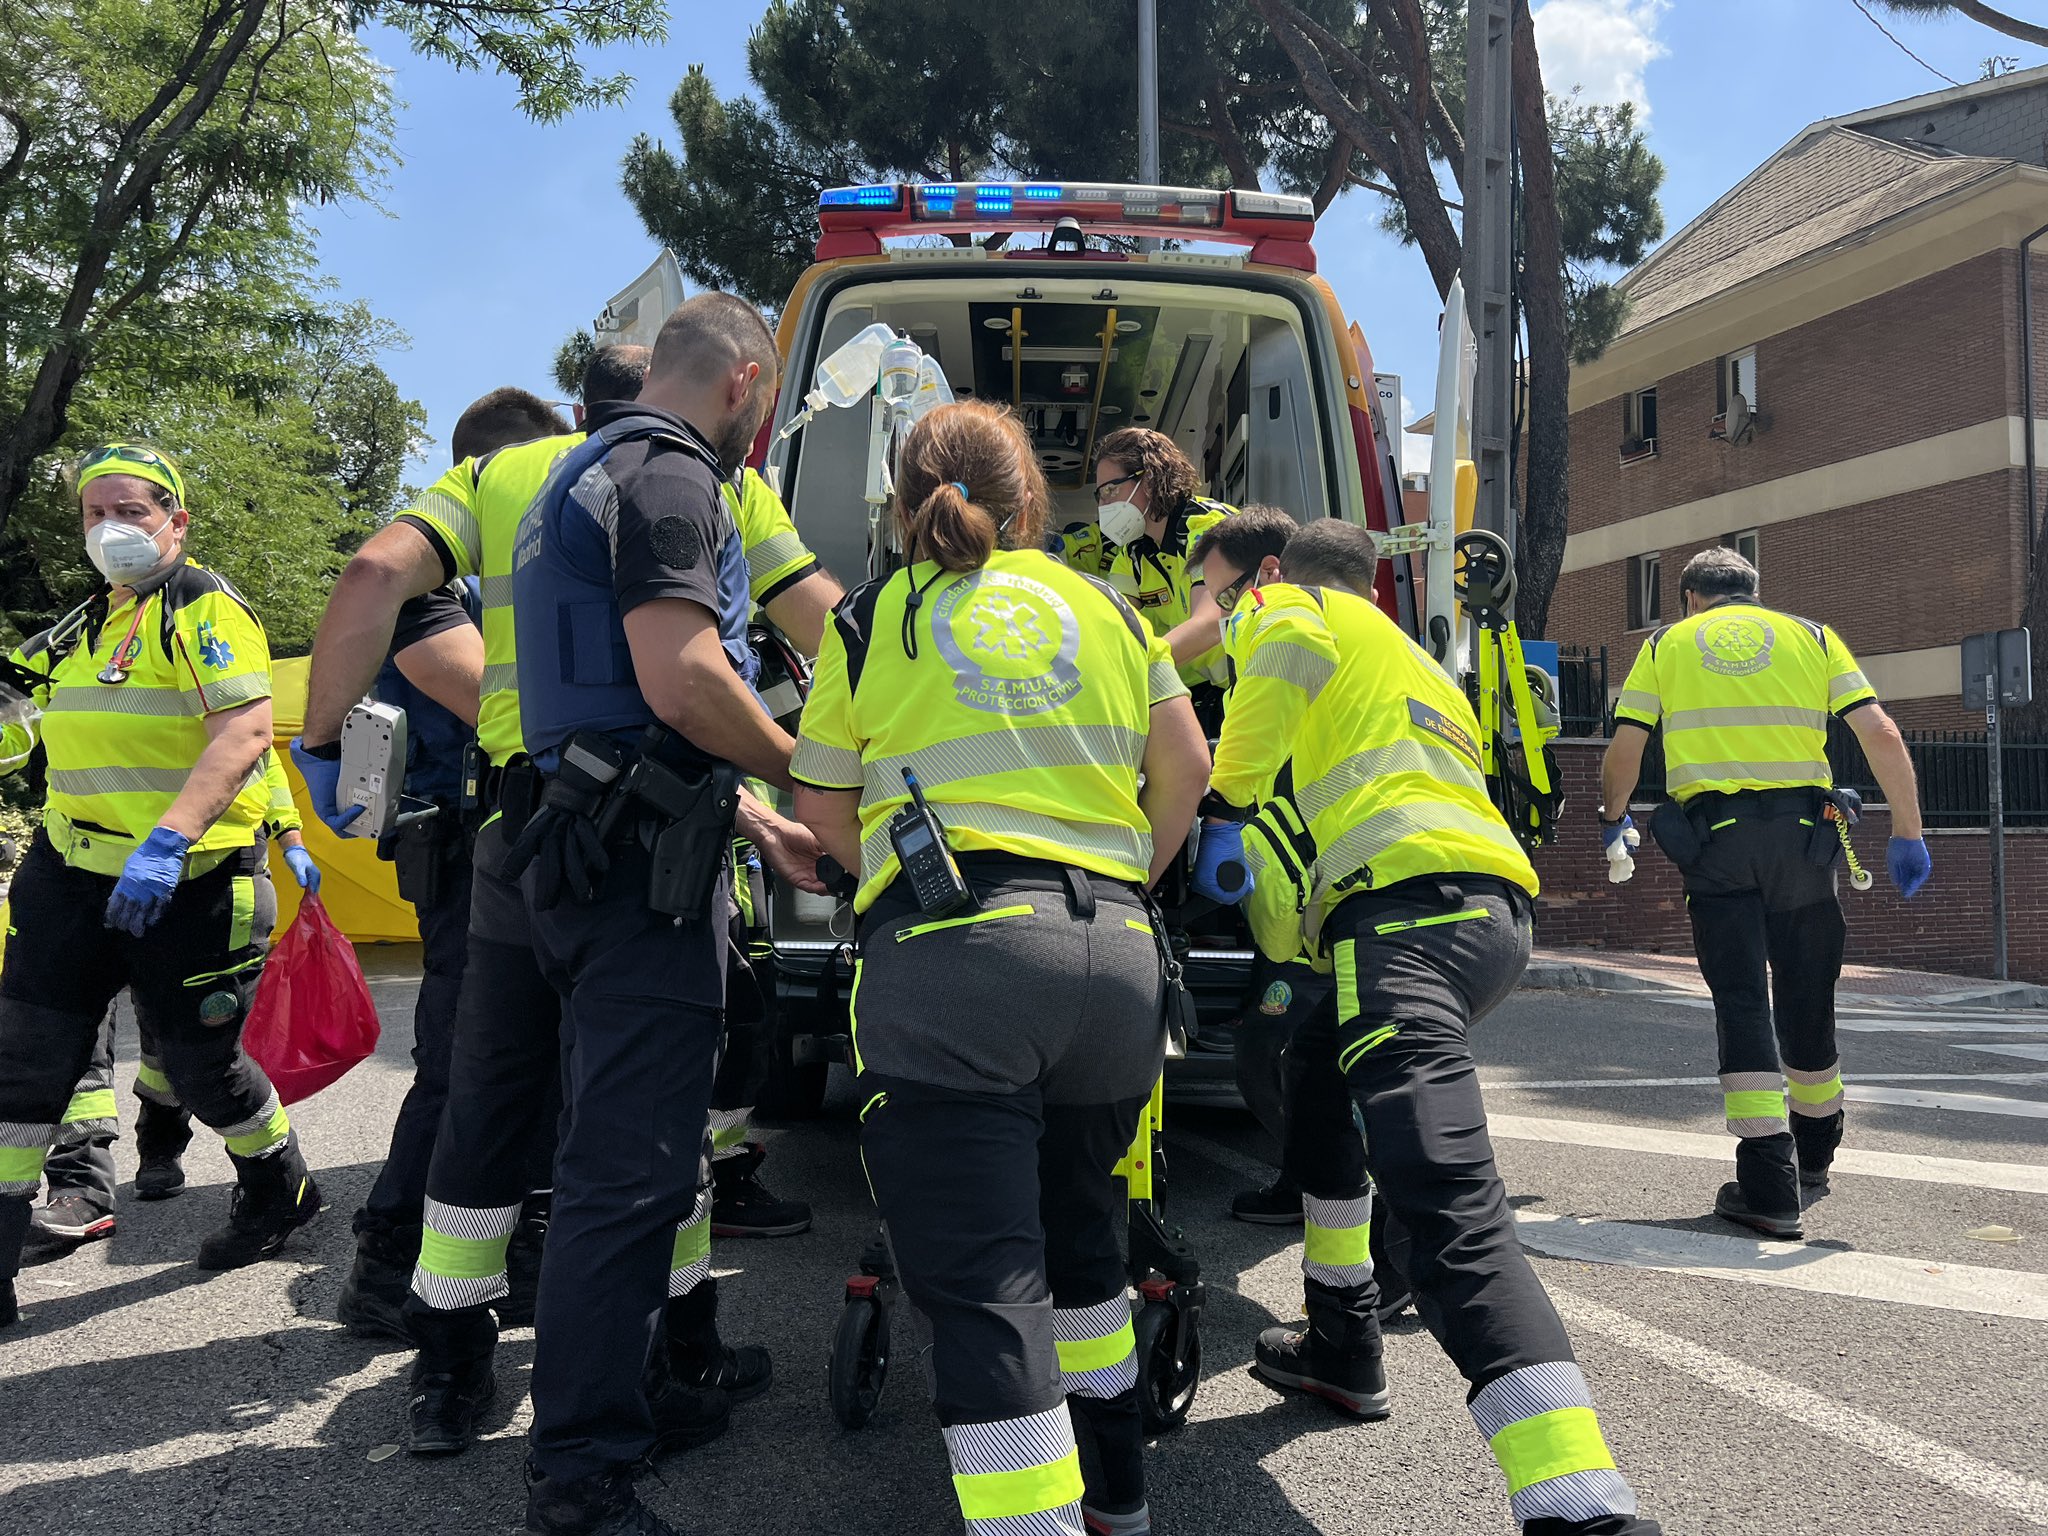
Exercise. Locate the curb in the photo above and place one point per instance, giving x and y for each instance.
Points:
(1577, 976)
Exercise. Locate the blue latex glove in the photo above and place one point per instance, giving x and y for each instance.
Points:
(148, 882)
(1221, 873)
(303, 869)
(323, 781)
(1906, 858)
(1609, 836)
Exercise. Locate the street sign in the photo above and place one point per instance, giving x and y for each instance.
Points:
(1999, 653)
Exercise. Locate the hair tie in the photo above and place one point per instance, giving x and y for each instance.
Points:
(961, 487)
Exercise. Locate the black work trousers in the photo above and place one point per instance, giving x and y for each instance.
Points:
(81, 1160)
(1768, 932)
(642, 1011)
(432, 862)
(1417, 964)
(1004, 1059)
(194, 971)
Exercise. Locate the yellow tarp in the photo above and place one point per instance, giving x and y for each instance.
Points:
(360, 889)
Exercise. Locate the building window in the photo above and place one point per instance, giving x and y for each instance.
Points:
(1638, 425)
(1745, 545)
(1645, 591)
(1738, 377)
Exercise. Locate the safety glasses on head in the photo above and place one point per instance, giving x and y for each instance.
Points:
(137, 459)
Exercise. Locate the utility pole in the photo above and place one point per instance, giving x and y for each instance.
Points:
(1488, 266)
(1148, 92)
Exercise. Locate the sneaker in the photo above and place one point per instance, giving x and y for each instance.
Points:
(445, 1403)
(1731, 1205)
(1104, 1522)
(1277, 1205)
(741, 1205)
(66, 1223)
(258, 1225)
(683, 1416)
(699, 1359)
(372, 1301)
(1355, 1384)
(160, 1177)
(603, 1504)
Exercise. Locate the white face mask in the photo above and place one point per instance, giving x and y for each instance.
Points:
(123, 553)
(1122, 522)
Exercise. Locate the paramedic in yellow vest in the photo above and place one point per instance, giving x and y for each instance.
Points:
(79, 1174)
(1743, 694)
(1423, 900)
(1008, 1028)
(148, 869)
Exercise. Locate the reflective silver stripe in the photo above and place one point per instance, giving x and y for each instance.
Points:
(458, 522)
(1123, 845)
(449, 1295)
(1641, 702)
(1086, 1324)
(471, 1223)
(495, 591)
(230, 691)
(1526, 1392)
(1430, 758)
(1024, 749)
(19, 1133)
(1752, 1082)
(1162, 682)
(768, 556)
(1760, 714)
(1678, 776)
(501, 677)
(685, 1280)
(260, 1121)
(1846, 682)
(1011, 1445)
(1375, 835)
(599, 499)
(1756, 1125)
(1289, 663)
(117, 781)
(1336, 1216)
(127, 699)
(816, 762)
(1576, 1496)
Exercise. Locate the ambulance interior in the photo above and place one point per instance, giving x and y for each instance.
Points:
(1223, 370)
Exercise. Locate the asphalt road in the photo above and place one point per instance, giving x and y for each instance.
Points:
(1887, 1375)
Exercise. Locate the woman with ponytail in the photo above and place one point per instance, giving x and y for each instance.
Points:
(1008, 1008)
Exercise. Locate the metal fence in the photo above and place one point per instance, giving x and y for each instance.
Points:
(1582, 689)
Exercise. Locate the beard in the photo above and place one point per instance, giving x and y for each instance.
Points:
(734, 439)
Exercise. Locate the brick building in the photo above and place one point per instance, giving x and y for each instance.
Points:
(1825, 370)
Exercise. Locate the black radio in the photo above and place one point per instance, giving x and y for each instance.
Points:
(920, 841)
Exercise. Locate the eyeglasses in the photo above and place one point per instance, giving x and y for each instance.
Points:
(1110, 485)
(124, 453)
(1226, 599)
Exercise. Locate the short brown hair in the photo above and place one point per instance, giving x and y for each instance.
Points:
(1152, 456)
(1330, 552)
(501, 418)
(1718, 572)
(615, 371)
(713, 330)
(966, 482)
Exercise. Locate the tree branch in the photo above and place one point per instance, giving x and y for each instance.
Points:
(17, 157)
(1229, 141)
(1998, 21)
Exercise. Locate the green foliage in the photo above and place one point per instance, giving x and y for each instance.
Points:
(571, 357)
(535, 43)
(1607, 208)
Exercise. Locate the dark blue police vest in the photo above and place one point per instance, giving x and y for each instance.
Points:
(434, 738)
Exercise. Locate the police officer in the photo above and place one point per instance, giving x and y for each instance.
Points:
(630, 604)
(79, 1173)
(1147, 518)
(147, 871)
(1007, 1036)
(1423, 899)
(1743, 694)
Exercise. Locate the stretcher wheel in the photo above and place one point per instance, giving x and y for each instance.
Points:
(1168, 1377)
(860, 1361)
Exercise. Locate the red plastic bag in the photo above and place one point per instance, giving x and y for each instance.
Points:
(313, 1017)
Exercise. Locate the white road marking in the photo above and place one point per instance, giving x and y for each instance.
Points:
(1972, 1103)
(1906, 1021)
(1930, 1459)
(2022, 1178)
(2023, 1052)
(2017, 1079)
(1789, 1266)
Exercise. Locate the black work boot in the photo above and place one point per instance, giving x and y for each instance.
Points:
(603, 1504)
(15, 1211)
(452, 1377)
(1277, 1205)
(1816, 1137)
(522, 1263)
(10, 1309)
(1336, 1357)
(274, 1197)
(1606, 1525)
(1765, 1193)
(683, 1416)
(741, 1205)
(699, 1358)
(372, 1302)
(68, 1222)
(1110, 1436)
(162, 1132)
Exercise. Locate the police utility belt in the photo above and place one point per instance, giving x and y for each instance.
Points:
(1684, 831)
(606, 797)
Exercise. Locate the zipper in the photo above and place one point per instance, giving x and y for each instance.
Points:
(1378, 1037)
(1402, 925)
(1024, 909)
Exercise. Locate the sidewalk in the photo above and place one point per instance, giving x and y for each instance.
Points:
(1624, 970)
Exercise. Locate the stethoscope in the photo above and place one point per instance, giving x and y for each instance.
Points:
(113, 671)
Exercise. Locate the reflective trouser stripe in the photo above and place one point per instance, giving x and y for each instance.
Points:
(22, 1149)
(265, 1131)
(1539, 1423)
(728, 1129)
(690, 1261)
(462, 1255)
(1011, 1467)
(242, 917)
(1343, 957)
(1098, 1348)
(93, 1104)
(853, 1026)
(1336, 1248)
(1815, 1093)
(1754, 1103)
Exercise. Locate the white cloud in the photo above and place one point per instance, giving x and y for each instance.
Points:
(1600, 47)
(1414, 450)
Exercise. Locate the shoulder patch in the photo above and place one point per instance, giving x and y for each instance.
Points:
(676, 542)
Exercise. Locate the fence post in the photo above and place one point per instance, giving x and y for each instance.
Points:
(1997, 789)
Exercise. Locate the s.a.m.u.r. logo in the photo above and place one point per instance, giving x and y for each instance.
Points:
(1443, 728)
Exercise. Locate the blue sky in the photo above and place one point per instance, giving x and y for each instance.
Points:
(503, 236)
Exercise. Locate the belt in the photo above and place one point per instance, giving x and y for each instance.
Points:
(1794, 800)
(1448, 890)
(99, 851)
